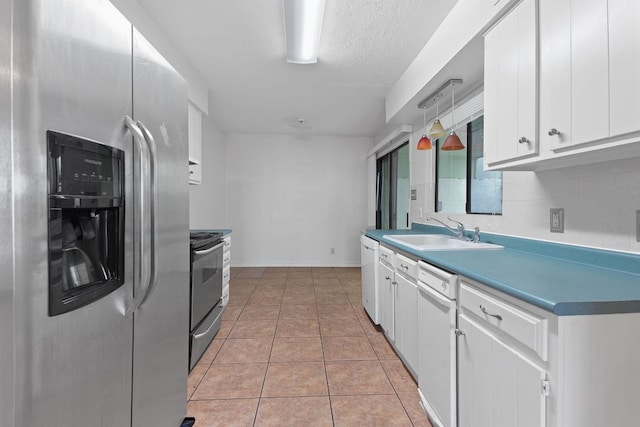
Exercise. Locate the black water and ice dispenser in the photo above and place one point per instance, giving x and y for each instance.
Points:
(86, 221)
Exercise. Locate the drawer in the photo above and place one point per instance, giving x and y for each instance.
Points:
(226, 275)
(524, 327)
(406, 266)
(387, 256)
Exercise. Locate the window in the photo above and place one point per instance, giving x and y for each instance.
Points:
(462, 185)
(392, 207)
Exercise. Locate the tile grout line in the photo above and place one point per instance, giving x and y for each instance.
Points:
(324, 360)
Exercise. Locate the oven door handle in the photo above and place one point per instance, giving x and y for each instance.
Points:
(209, 250)
(153, 211)
(203, 334)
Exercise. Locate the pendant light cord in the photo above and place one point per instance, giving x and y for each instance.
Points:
(453, 105)
(424, 120)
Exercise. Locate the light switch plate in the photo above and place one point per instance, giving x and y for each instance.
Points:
(556, 220)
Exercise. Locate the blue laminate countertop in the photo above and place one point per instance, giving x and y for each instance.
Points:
(563, 279)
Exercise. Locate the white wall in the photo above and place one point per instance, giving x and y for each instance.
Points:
(599, 201)
(290, 199)
(207, 201)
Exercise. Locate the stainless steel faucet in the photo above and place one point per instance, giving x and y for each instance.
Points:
(458, 231)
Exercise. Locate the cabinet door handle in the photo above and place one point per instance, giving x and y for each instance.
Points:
(553, 131)
(394, 283)
(387, 278)
(484, 310)
(523, 140)
(459, 332)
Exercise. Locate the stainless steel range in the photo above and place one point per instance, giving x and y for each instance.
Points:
(206, 292)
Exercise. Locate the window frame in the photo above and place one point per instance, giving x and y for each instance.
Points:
(469, 169)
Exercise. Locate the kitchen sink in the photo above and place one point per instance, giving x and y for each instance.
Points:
(438, 242)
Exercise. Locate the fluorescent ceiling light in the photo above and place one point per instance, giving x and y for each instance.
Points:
(303, 23)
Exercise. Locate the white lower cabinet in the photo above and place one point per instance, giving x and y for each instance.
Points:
(386, 284)
(398, 304)
(406, 312)
(497, 386)
(226, 269)
(519, 365)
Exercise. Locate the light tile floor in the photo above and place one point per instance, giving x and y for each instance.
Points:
(296, 348)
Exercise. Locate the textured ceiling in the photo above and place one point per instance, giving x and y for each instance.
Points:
(239, 48)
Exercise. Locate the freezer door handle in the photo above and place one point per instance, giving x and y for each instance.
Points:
(153, 211)
(142, 178)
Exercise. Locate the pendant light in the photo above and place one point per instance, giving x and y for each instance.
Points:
(424, 143)
(452, 142)
(437, 130)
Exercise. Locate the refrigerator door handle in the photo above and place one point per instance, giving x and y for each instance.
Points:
(142, 170)
(153, 212)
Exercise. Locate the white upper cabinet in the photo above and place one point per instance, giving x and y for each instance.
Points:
(624, 66)
(511, 90)
(584, 92)
(195, 144)
(574, 71)
(589, 67)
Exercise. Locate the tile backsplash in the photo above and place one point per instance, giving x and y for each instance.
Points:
(599, 200)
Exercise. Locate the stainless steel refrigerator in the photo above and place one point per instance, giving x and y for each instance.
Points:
(94, 279)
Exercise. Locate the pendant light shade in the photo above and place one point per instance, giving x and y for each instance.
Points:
(437, 130)
(424, 143)
(452, 143)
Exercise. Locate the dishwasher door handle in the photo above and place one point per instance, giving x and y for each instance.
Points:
(435, 296)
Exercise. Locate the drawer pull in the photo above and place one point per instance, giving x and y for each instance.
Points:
(484, 310)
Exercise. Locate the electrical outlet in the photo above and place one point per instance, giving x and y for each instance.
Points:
(333, 251)
(638, 226)
(556, 219)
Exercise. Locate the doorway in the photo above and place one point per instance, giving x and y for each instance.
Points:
(393, 189)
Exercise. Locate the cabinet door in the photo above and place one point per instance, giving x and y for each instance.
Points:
(511, 85)
(624, 66)
(491, 65)
(195, 134)
(589, 70)
(555, 73)
(527, 108)
(385, 299)
(406, 320)
(498, 387)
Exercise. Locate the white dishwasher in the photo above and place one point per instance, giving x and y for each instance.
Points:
(437, 344)
(369, 250)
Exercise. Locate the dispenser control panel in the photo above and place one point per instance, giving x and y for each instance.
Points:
(83, 168)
